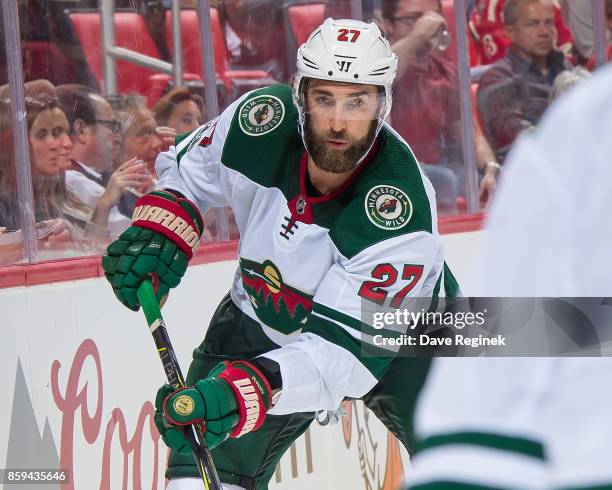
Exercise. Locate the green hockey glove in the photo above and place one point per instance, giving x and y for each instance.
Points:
(230, 402)
(164, 235)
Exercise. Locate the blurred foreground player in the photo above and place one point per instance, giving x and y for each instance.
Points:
(333, 210)
(534, 423)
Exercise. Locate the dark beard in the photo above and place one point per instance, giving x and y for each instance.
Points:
(336, 161)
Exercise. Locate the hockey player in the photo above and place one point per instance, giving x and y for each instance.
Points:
(534, 423)
(333, 211)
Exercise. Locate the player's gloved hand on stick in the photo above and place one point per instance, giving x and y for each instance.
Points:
(165, 232)
(230, 402)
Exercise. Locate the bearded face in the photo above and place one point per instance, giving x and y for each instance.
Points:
(334, 160)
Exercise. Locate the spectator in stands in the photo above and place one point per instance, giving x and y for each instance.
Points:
(32, 88)
(154, 14)
(179, 109)
(11, 238)
(8, 214)
(254, 35)
(141, 138)
(491, 41)
(59, 213)
(513, 94)
(425, 109)
(95, 133)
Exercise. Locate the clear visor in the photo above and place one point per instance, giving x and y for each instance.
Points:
(349, 103)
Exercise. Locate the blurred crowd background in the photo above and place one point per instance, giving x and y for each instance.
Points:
(472, 77)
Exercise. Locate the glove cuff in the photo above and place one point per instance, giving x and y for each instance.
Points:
(167, 214)
(253, 395)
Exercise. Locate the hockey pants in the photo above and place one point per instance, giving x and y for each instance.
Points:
(251, 460)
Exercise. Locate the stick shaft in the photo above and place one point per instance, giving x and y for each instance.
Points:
(194, 434)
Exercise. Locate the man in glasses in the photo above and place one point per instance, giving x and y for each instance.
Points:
(426, 103)
(96, 134)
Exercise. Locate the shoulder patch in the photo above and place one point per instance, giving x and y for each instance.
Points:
(388, 207)
(201, 136)
(206, 135)
(261, 115)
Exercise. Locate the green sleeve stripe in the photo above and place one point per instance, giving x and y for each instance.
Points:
(364, 336)
(343, 318)
(186, 141)
(351, 322)
(355, 333)
(367, 340)
(375, 360)
(182, 152)
(451, 485)
(519, 445)
(181, 137)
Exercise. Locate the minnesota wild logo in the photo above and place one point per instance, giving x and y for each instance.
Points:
(388, 207)
(276, 304)
(261, 114)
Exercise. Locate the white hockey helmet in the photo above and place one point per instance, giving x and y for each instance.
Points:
(347, 51)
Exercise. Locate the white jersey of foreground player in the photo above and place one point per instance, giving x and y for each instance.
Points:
(533, 423)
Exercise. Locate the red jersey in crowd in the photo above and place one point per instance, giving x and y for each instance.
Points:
(425, 106)
(487, 28)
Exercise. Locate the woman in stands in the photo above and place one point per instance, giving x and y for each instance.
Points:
(61, 217)
(180, 109)
(9, 220)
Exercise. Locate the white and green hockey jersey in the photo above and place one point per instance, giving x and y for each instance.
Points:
(308, 263)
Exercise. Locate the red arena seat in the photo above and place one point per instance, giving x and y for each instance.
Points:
(302, 19)
(42, 59)
(236, 82)
(190, 40)
(130, 32)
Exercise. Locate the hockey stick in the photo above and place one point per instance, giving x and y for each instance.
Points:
(194, 434)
